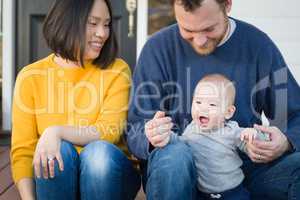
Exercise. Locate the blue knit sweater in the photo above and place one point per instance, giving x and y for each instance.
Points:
(168, 70)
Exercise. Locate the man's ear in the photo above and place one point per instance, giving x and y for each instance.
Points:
(230, 112)
(228, 6)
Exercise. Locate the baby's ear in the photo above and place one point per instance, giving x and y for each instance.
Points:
(230, 112)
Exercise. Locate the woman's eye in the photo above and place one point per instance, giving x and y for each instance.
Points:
(92, 23)
(212, 104)
(198, 102)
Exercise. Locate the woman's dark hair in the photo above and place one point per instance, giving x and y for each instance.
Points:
(65, 31)
(191, 5)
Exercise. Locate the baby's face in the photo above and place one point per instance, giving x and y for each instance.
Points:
(210, 106)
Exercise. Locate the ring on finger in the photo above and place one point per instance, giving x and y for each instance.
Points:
(50, 158)
(259, 157)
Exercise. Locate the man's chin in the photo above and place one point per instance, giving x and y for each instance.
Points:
(204, 51)
(209, 48)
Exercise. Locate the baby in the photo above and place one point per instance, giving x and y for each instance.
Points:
(214, 139)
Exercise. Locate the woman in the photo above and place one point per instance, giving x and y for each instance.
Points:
(70, 108)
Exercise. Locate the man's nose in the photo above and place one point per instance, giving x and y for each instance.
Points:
(200, 39)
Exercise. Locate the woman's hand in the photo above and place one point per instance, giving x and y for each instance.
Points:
(47, 150)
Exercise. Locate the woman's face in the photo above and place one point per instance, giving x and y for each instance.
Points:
(97, 30)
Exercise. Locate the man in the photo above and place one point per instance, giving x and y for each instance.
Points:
(204, 41)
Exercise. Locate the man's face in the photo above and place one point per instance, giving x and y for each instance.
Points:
(205, 27)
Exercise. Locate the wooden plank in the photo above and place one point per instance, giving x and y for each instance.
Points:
(11, 194)
(6, 179)
(4, 159)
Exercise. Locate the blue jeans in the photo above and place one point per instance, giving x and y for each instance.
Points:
(101, 171)
(171, 174)
(277, 180)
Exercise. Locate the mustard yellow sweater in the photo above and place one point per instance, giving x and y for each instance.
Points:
(47, 94)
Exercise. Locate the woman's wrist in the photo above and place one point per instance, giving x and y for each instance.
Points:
(26, 188)
(57, 130)
(28, 197)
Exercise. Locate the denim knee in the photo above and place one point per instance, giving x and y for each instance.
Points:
(171, 173)
(173, 158)
(103, 171)
(98, 159)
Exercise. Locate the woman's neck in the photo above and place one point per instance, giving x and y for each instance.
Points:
(66, 63)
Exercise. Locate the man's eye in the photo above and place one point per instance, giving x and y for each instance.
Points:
(198, 102)
(210, 30)
(212, 104)
(188, 31)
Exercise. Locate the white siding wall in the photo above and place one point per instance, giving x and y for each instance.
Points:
(280, 19)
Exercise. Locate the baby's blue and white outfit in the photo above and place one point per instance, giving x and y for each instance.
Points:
(216, 158)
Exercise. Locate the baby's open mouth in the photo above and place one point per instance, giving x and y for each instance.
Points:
(203, 119)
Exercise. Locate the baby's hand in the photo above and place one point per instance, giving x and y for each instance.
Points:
(248, 135)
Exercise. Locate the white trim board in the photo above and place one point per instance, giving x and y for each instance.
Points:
(142, 25)
(8, 61)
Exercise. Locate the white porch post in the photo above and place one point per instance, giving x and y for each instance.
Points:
(8, 61)
(142, 25)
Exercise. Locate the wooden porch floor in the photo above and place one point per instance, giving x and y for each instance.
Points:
(8, 190)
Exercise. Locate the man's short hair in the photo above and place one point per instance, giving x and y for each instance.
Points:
(64, 30)
(191, 5)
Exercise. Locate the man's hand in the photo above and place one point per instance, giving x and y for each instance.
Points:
(158, 129)
(267, 151)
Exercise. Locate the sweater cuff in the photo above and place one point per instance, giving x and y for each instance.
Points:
(292, 145)
(22, 172)
(294, 141)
